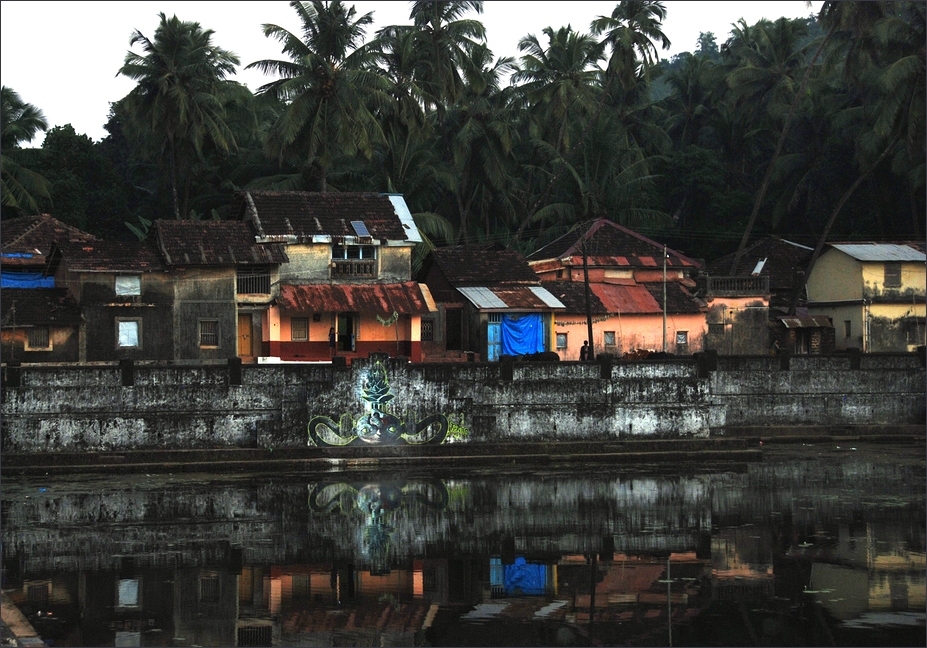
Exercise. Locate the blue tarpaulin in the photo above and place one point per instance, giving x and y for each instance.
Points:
(522, 334)
(25, 280)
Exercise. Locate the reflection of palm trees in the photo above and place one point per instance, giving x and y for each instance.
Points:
(376, 500)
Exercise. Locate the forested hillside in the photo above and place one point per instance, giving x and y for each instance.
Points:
(802, 128)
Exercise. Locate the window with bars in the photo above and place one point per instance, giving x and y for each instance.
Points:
(428, 330)
(209, 588)
(299, 329)
(209, 333)
(38, 338)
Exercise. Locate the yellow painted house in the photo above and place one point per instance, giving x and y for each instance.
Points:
(873, 292)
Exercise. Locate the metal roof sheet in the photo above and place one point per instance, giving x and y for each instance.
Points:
(405, 218)
(880, 252)
(511, 297)
(547, 297)
(817, 321)
(383, 299)
(625, 299)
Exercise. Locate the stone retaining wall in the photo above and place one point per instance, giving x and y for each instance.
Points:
(49, 408)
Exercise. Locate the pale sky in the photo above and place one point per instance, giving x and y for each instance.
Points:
(63, 57)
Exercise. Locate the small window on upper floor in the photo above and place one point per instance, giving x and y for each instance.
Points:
(38, 339)
(128, 285)
(892, 275)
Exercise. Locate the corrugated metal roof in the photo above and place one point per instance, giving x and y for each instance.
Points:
(382, 299)
(626, 299)
(405, 217)
(880, 252)
(482, 297)
(530, 298)
(817, 321)
(547, 297)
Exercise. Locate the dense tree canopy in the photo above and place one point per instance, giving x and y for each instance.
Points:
(803, 128)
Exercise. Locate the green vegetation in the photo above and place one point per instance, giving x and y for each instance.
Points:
(804, 128)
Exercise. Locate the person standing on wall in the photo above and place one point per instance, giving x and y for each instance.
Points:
(584, 352)
(331, 341)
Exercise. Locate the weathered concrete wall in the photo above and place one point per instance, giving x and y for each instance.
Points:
(102, 407)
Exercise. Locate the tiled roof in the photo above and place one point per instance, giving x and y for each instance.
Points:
(35, 235)
(611, 244)
(464, 266)
(39, 307)
(678, 299)
(783, 259)
(305, 214)
(409, 298)
(214, 243)
(112, 256)
(573, 296)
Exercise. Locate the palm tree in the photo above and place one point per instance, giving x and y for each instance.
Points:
(180, 99)
(329, 86)
(21, 122)
(446, 43)
(632, 31)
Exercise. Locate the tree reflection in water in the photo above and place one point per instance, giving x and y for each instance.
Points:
(811, 546)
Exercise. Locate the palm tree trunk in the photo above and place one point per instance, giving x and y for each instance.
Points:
(174, 177)
(772, 162)
(797, 290)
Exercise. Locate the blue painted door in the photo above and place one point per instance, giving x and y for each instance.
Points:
(494, 337)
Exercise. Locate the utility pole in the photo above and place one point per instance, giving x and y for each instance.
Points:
(591, 355)
(664, 299)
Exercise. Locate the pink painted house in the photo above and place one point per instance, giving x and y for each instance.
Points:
(628, 293)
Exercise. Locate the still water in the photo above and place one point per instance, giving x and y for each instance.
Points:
(814, 545)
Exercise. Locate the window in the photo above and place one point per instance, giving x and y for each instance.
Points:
(209, 587)
(253, 281)
(128, 593)
(128, 334)
(299, 329)
(609, 338)
(846, 328)
(428, 330)
(39, 339)
(892, 275)
(209, 333)
(128, 285)
(716, 329)
(561, 340)
(354, 252)
(682, 338)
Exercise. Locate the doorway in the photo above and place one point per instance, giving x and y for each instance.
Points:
(245, 335)
(345, 329)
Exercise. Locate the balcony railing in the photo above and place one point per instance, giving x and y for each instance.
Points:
(352, 268)
(743, 285)
(253, 283)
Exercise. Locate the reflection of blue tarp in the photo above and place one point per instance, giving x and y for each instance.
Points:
(25, 280)
(522, 334)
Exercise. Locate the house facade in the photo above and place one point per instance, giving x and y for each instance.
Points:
(346, 289)
(874, 293)
(648, 306)
(40, 325)
(490, 303)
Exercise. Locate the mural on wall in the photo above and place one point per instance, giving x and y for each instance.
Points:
(378, 426)
(376, 501)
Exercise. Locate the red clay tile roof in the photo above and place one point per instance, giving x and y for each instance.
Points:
(112, 256)
(475, 266)
(214, 243)
(606, 241)
(381, 299)
(304, 214)
(38, 233)
(39, 307)
(573, 295)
